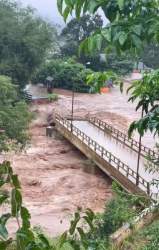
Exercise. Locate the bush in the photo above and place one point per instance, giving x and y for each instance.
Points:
(52, 97)
(152, 237)
(66, 74)
(14, 116)
(121, 209)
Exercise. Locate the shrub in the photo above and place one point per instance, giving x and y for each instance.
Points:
(66, 74)
(52, 97)
(121, 209)
(14, 116)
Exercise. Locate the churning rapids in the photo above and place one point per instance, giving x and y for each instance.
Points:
(56, 178)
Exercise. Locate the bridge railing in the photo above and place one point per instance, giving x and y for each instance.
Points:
(120, 136)
(105, 154)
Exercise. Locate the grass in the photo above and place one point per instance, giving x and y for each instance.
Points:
(146, 239)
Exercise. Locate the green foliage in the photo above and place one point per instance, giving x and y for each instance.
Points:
(76, 31)
(145, 239)
(66, 74)
(52, 97)
(121, 65)
(14, 116)
(24, 41)
(130, 22)
(145, 91)
(98, 80)
(152, 235)
(118, 211)
(80, 29)
(150, 55)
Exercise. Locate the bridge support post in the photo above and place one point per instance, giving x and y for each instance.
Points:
(148, 188)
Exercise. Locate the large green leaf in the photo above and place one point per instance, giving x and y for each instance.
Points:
(137, 41)
(16, 202)
(3, 232)
(121, 3)
(107, 34)
(4, 218)
(60, 5)
(16, 182)
(122, 37)
(25, 215)
(44, 243)
(24, 238)
(93, 5)
(137, 29)
(66, 13)
(3, 198)
(74, 223)
(62, 240)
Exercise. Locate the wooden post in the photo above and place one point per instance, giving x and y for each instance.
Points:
(148, 188)
(49, 131)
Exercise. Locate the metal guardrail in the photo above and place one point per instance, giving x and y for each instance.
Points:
(120, 136)
(115, 162)
(27, 95)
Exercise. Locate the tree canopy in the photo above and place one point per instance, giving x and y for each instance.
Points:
(24, 41)
(77, 30)
(14, 116)
(66, 74)
(130, 22)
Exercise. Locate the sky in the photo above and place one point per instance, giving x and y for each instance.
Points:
(47, 9)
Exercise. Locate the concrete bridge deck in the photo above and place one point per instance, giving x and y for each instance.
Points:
(118, 149)
(118, 155)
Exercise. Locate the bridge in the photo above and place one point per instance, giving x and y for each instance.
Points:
(112, 151)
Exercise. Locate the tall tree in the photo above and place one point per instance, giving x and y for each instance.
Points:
(24, 41)
(77, 30)
(131, 22)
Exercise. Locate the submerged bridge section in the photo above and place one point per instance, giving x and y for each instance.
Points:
(112, 151)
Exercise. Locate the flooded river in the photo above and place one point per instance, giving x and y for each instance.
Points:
(53, 173)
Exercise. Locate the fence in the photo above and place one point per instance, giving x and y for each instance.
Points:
(117, 134)
(106, 155)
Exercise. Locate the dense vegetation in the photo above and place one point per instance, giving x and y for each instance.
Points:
(66, 74)
(14, 116)
(76, 31)
(146, 239)
(25, 40)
